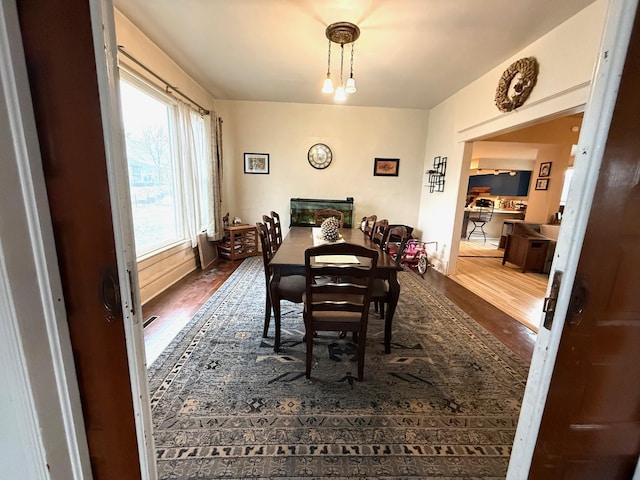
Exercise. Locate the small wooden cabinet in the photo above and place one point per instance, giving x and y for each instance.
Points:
(240, 241)
(528, 252)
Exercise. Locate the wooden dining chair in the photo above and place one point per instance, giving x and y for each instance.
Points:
(290, 288)
(395, 242)
(271, 233)
(367, 224)
(339, 306)
(393, 236)
(320, 216)
(379, 231)
(277, 227)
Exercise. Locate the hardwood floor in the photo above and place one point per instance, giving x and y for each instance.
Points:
(175, 307)
(520, 295)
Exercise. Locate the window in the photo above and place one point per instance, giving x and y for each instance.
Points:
(149, 125)
(170, 166)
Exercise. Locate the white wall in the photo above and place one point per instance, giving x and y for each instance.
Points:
(566, 57)
(356, 136)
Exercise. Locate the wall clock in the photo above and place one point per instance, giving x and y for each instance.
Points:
(320, 156)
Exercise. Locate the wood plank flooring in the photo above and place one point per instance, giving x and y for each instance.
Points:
(518, 294)
(175, 307)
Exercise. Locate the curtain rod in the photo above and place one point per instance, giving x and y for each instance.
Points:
(169, 88)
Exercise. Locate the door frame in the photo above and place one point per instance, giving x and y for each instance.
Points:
(591, 144)
(41, 406)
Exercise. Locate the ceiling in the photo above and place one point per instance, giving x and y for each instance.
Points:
(410, 54)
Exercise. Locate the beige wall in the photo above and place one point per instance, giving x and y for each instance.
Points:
(157, 273)
(356, 136)
(567, 57)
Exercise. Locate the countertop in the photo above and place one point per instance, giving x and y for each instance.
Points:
(496, 210)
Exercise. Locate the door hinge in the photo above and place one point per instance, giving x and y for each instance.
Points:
(551, 301)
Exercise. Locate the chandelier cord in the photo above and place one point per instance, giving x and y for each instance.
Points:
(329, 60)
(351, 66)
(341, 61)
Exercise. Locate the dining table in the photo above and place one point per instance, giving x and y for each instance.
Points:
(289, 260)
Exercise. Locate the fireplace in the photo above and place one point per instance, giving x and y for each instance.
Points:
(302, 210)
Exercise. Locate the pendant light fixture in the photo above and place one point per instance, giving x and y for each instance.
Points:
(341, 33)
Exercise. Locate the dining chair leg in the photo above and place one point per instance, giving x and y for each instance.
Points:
(267, 316)
(387, 335)
(309, 358)
(361, 345)
(394, 290)
(276, 321)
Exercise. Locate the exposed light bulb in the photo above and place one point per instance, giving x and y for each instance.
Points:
(327, 86)
(512, 173)
(351, 85)
(341, 95)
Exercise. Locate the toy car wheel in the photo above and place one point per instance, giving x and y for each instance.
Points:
(423, 263)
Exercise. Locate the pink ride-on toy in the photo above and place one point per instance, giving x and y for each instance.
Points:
(415, 255)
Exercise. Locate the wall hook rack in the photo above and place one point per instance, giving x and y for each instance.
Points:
(437, 174)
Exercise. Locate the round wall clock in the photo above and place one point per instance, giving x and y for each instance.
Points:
(320, 156)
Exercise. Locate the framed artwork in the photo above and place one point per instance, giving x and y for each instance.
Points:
(386, 167)
(542, 184)
(545, 169)
(256, 163)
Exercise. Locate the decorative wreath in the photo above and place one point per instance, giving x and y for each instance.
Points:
(524, 72)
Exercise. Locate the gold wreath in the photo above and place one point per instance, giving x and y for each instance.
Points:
(528, 70)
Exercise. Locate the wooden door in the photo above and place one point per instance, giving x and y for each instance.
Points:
(590, 427)
(61, 66)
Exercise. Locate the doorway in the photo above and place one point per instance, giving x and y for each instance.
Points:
(545, 152)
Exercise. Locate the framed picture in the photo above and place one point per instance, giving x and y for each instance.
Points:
(386, 167)
(542, 184)
(545, 169)
(256, 163)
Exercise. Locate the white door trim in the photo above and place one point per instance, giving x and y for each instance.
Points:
(105, 49)
(591, 144)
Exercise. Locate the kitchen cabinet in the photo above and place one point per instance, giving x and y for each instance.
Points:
(503, 185)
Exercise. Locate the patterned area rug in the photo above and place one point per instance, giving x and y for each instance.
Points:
(443, 404)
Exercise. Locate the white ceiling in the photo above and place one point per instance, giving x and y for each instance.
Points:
(410, 54)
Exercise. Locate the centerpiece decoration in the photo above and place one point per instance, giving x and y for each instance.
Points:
(329, 229)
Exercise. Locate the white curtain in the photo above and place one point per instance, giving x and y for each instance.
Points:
(188, 174)
(200, 155)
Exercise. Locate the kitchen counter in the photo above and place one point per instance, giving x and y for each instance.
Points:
(496, 210)
(493, 229)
